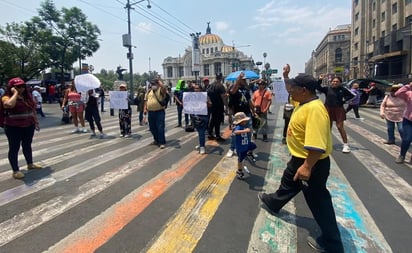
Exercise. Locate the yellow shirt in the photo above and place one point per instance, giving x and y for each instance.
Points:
(309, 129)
(151, 102)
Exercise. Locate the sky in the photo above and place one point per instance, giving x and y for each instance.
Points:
(286, 30)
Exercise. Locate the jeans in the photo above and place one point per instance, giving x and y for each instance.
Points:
(390, 125)
(201, 134)
(157, 125)
(406, 136)
(19, 136)
(179, 116)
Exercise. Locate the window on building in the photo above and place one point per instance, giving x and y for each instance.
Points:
(355, 2)
(334, 38)
(356, 31)
(203, 51)
(383, 34)
(373, 38)
(181, 72)
(394, 27)
(356, 46)
(169, 71)
(218, 67)
(206, 70)
(383, 16)
(394, 8)
(207, 50)
(357, 16)
(211, 50)
(373, 23)
(374, 6)
(338, 55)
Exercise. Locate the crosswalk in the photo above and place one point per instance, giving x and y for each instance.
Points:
(125, 195)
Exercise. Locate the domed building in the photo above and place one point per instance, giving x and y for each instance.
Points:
(215, 58)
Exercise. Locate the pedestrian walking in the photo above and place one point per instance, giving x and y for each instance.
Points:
(92, 113)
(309, 141)
(262, 99)
(244, 144)
(20, 121)
(38, 100)
(354, 102)
(405, 93)
(391, 110)
(336, 97)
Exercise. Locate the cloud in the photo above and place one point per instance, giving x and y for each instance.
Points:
(145, 27)
(222, 26)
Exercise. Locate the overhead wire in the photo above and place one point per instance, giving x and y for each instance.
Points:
(154, 3)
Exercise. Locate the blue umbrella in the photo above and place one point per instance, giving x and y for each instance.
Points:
(249, 74)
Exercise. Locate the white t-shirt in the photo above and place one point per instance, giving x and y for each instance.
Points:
(37, 96)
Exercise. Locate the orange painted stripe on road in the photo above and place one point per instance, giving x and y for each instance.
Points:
(127, 209)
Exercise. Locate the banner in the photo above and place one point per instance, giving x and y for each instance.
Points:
(195, 103)
(281, 94)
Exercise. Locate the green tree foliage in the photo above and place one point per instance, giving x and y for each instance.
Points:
(53, 39)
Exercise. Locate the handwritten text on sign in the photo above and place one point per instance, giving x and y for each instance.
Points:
(195, 103)
(118, 99)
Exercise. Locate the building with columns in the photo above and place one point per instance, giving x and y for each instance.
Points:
(215, 57)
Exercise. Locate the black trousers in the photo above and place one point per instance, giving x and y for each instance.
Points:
(317, 197)
(19, 136)
(92, 116)
(216, 119)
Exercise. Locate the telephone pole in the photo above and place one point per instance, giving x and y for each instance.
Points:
(127, 42)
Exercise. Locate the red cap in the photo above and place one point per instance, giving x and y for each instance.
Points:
(205, 79)
(16, 82)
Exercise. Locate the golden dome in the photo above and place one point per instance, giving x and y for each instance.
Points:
(227, 49)
(209, 39)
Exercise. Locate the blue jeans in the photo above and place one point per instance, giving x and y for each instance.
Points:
(406, 136)
(390, 125)
(157, 125)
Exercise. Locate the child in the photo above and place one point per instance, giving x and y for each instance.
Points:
(244, 146)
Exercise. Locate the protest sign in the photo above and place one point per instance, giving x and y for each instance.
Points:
(118, 99)
(281, 94)
(195, 103)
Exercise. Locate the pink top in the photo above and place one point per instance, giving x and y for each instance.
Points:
(392, 108)
(405, 93)
(73, 96)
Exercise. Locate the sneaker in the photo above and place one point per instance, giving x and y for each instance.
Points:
(162, 146)
(246, 169)
(93, 134)
(101, 135)
(154, 143)
(315, 244)
(84, 130)
(202, 150)
(121, 135)
(261, 197)
(229, 153)
(128, 136)
(197, 147)
(18, 175)
(346, 148)
(76, 130)
(33, 166)
(400, 159)
(240, 174)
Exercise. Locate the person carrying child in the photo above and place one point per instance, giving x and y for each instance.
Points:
(244, 145)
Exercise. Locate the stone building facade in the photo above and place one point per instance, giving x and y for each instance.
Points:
(215, 57)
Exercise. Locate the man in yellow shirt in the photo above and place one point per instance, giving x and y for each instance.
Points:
(309, 141)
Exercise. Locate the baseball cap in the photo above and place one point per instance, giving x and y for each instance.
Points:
(205, 79)
(16, 81)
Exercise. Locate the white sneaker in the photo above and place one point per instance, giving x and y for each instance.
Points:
(76, 130)
(84, 130)
(246, 169)
(229, 153)
(197, 147)
(202, 150)
(346, 148)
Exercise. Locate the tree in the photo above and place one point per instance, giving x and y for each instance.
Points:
(54, 39)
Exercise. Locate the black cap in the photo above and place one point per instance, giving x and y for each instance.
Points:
(304, 80)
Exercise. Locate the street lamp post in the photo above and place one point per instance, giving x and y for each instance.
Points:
(129, 42)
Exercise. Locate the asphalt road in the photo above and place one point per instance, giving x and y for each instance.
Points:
(125, 195)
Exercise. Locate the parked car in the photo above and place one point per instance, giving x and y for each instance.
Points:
(382, 86)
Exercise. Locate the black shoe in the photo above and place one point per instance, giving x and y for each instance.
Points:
(316, 244)
(178, 126)
(211, 137)
(389, 142)
(219, 138)
(265, 138)
(240, 174)
(255, 136)
(261, 197)
(283, 140)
